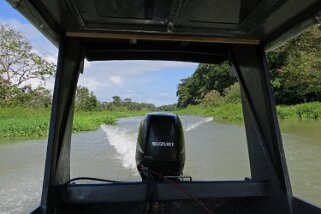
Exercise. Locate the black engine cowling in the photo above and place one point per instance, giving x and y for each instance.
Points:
(160, 144)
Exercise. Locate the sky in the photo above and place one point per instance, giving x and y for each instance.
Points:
(142, 81)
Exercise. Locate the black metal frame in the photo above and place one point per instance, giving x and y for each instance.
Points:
(271, 21)
(267, 159)
(57, 170)
(268, 191)
(136, 191)
(177, 36)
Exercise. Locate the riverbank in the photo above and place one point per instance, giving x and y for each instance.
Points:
(34, 123)
(233, 112)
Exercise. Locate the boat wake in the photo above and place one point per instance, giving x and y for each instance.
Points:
(123, 140)
(189, 127)
(124, 143)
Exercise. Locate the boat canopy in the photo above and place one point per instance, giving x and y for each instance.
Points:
(165, 29)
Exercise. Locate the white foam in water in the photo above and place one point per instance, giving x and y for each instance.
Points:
(188, 127)
(124, 143)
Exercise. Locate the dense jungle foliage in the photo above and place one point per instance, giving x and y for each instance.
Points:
(295, 71)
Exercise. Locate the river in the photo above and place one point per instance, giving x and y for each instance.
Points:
(214, 151)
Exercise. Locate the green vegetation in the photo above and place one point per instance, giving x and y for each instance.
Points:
(300, 111)
(31, 123)
(205, 79)
(295, 70)
(18, 66)
(118, 104)
(233, 111)
(85, 100)
(223, 112)
(23, 122)
(24, 110)
(88, 121)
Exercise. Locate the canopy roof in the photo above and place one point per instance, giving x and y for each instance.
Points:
(188, 30)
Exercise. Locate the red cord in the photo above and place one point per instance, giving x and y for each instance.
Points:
(179, 187)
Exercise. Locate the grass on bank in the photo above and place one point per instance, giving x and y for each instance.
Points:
(233, 112)
(33, 123)
(223, 112)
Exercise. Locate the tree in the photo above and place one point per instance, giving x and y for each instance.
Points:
(187, 92)
(296, 69)
(116, 100)
(207, 77)
(128, 100)
(39, 97)
(212, 98)
(233, 94)
(213, 77)
(18, 64)
(119, 104)
(85, 100)
(170, 107)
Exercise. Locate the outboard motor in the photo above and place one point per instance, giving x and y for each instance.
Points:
(160, 145)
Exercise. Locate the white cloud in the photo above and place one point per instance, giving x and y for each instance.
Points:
(117, 80)
(93, 84)
(52, 59)
(50, 83)
(35, 83)
(142, 81)
(119, 73)
(131, 67)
